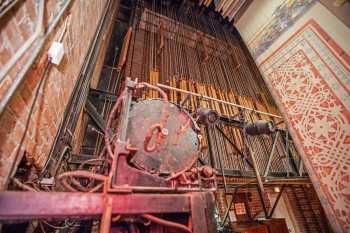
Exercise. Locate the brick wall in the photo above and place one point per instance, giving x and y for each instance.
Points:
(309, 214)
(303, 201)
(220, 202)
(58, 84)
(254, 203)
(80, 129)
(17, 25)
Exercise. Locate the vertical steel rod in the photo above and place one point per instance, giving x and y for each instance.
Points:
(271, 154)
(276, 202)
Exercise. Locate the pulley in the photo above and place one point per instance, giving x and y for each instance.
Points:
(179, 147)
(207, 116)
(260, 127)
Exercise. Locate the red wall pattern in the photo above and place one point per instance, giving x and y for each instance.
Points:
(309, 76)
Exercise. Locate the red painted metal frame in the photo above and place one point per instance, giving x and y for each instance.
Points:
(59, 205)
(36, 205)
(126, 190)
(123, 177)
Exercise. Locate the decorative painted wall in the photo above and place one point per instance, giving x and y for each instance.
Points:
(311, 82)
(282, 18)
(307, 68)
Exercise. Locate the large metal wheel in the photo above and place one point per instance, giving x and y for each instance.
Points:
(179, 149)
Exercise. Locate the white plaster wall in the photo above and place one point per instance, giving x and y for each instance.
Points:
(256, 17)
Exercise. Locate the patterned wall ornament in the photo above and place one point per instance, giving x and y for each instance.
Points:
(309, 76)
(282, 18)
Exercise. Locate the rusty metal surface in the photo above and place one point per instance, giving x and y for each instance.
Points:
(54, 206)
(177, 152)
(44, 205)
(203, 213)
(173, 152)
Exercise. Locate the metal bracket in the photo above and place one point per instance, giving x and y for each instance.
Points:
(276, 202)
(271, 154)
(105, 95)
(95, 116)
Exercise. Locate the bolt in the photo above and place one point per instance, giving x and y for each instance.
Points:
(207, 171)
(165, 131)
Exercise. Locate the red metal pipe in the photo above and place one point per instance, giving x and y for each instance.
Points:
(150, 132)
(82, 173)
(79, 173)
(163, 121)
(167, 223)
(109, 123)
(58, 205)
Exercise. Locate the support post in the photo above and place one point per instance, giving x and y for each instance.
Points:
(260, 185)
(227, 211)
(300, 167)
(262, 201)
(276, 202)
(96, 117)
(106, 216)
(271, 154)
(255, 166)
(211, 154)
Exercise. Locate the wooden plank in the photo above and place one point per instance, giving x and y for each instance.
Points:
(216, 104)
(174, 93)
(200, 90)
(228, 108)
(171, 95)
(150, 80)
(260, 106)
(221, 106)
(208, 93)
(125, 48)
(154, 79)
(232, 99)
(250, 104)
(192, 98)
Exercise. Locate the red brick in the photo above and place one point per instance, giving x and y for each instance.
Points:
(26, 93)
(4, 85)
(31, 9)
(7, 119)
(50, 105)
(25, 25)
(5, 51)
(18, 106)
(17, 133)
(32, 79)
(13, 34)
(7, 146)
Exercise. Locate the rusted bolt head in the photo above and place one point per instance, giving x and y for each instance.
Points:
(194, 170)
(207, 171)
(165, 131)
